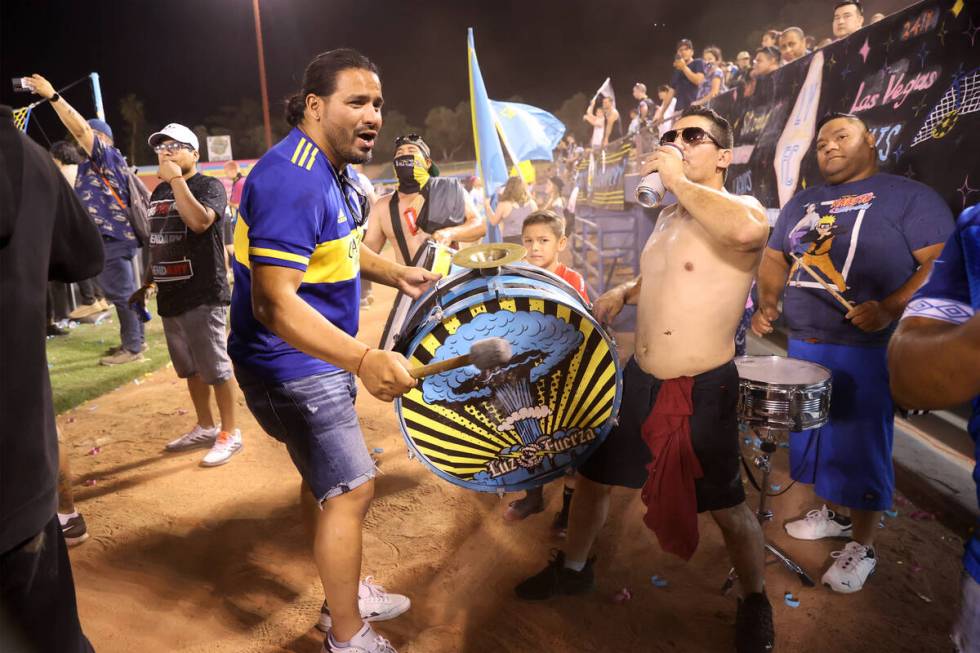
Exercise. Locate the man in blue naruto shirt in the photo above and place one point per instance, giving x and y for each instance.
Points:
(294, 315)
(874, 237)
(934, 360)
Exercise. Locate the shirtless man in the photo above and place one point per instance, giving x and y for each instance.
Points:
(695, 275)
(413, 166)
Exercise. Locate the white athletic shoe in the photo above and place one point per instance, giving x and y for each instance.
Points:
(196, 437)
(374, 603)
(851, 568)
(817, 525)
(225, 446)
(365, 641)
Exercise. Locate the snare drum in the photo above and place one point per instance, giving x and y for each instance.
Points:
(784, 394)
(525, 423)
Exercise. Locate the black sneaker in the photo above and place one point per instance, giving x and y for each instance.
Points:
(74, 531)
(556, 579)
(55, 330)
(753, 625)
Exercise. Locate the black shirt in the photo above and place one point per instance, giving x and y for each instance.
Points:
(685, 90)
(189, 268)
(45, 234)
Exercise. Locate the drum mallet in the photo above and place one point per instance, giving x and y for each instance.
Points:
(484, 354)
(826, 286)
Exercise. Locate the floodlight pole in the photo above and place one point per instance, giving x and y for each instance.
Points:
(262, 83)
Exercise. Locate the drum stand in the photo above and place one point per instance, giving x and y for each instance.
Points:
(767, 447)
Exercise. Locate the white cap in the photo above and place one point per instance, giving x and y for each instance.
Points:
(175, 131)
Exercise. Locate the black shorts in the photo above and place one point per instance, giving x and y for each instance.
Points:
(623, 457)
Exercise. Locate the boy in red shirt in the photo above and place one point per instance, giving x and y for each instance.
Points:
(543, 236)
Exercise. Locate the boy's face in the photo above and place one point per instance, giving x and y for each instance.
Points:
(542, 246)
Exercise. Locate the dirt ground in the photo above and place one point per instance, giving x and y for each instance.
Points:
(189, 559)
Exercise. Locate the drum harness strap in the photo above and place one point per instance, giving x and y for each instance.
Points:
(396, 226)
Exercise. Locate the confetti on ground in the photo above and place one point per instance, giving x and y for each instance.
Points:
(657, 581)
(775, 488)
(378, 450)
(92, 407)
(924, 597)
(784, 445)
(94, 451)
(181, 411)
(891, 513)
(791, 600)
(923, 515)
(89, 482)
(622, 596)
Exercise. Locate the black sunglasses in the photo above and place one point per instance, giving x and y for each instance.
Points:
(691, 136)
(410, 139)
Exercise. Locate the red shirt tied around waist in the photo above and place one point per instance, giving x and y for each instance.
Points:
(669, 492)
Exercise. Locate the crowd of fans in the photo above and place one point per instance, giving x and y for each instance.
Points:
(696, 81)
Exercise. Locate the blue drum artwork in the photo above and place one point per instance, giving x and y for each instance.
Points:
(525, 422)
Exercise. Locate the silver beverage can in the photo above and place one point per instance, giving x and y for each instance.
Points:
(650, 191)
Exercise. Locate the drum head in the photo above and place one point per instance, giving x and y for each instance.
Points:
(525, 423)
(779, 370)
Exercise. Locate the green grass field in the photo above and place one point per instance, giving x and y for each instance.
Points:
(73, 360)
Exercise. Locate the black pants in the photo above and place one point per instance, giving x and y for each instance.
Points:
(57, 301)
(38, 613)
(90, 291)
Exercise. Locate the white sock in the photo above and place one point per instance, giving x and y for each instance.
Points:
(63, 519)
(575, 565)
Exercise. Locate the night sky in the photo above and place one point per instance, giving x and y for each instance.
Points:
(185, 58)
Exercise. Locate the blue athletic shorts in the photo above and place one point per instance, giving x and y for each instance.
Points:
(849, 460)
(314, 417)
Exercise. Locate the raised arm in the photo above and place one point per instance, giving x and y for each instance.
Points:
(71, 119)
(737, 222)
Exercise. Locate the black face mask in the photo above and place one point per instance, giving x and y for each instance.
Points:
(411, 172)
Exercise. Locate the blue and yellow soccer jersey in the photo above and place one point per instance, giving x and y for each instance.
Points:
(296, 212)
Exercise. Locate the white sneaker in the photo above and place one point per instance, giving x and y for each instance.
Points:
(225, 446)
(817, 525)
(374, 603)
(851, 568)
(196, 437)
(365, 641)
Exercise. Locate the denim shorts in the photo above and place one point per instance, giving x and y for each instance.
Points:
(314, 417)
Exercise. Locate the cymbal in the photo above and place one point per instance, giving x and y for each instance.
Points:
(488, 255)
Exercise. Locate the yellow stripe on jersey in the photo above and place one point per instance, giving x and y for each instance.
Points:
(335, 260)
(306, 152)
(274, 253)
(241, 241)
(299, 146)
(309, 164)
(332, 261)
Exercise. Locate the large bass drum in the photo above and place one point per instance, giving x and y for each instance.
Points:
(523, 424)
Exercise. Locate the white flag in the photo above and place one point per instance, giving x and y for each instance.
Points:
(607, 90)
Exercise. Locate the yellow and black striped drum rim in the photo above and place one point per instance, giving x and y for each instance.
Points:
(563, 414)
